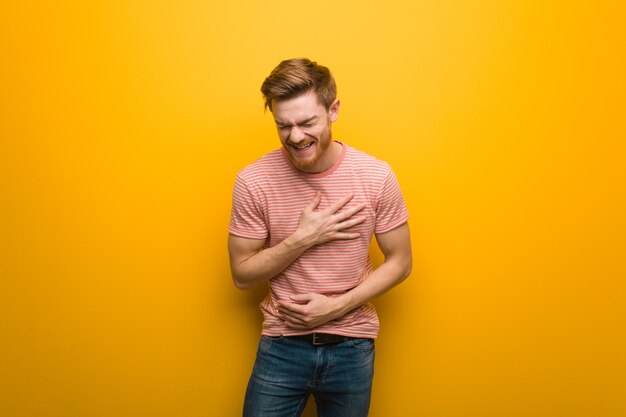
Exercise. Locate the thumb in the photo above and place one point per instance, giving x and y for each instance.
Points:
(301, 298)
(314, 203)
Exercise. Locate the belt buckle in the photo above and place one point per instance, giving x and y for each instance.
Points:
(320, 339)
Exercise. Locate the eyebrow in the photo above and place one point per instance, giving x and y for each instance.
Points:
(301, 122)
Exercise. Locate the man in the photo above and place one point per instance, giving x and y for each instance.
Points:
(302, 220)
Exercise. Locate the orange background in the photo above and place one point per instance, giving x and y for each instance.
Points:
(123, 125)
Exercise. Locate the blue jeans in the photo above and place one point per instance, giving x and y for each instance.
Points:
(288, 369)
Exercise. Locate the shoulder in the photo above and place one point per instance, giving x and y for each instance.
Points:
(369, 166)
(259, 170)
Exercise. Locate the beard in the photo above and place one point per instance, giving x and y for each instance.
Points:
(322, 145)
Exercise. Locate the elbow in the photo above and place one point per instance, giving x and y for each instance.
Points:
(245, 279)
(242, 285)
(407, 267)
(239, 280)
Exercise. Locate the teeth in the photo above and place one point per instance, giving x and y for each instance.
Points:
(302, 147)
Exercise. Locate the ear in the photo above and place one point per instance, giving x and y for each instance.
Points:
(333, 110)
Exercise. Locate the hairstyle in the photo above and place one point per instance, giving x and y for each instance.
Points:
(296, 76)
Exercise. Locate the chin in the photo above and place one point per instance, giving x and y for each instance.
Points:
(304, 164)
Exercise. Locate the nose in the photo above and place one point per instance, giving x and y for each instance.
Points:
(296, 135)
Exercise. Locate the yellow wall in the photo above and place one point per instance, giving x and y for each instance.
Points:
(123, 124)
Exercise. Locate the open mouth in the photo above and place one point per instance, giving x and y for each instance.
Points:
(302, 148)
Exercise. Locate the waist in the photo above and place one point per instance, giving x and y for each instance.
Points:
(318, 339)
(361, 322)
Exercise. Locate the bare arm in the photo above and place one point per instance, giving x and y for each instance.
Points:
(307, 311)
(250, 265)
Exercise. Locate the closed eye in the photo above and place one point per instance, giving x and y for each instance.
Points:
(310, 122)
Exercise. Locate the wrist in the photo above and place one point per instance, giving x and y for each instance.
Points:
(342, 304)
(298, 241)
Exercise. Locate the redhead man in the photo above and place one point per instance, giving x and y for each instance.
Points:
(302, 220)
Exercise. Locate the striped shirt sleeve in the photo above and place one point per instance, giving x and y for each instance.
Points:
(246, 218)
(391, 209)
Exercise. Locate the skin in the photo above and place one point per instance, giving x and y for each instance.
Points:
(302, 121)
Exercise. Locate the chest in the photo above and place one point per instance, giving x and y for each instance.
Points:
(284, 202)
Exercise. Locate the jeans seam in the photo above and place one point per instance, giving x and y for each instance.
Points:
(300, 408)
(357, 367)
(331, 358)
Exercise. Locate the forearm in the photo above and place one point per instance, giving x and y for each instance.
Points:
(266, 264)
(308, 311)
(251, 266)
(388, 275)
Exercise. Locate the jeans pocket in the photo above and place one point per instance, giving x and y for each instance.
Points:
(362, 344)
(266, 342)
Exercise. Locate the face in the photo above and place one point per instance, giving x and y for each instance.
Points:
(304, 128)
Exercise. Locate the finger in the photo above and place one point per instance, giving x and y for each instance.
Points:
(333, 208)
(292, 308)
(314, 203)
(294, 319)
(349, 223)
(297, 326)
(290, 319)
(344, 236)
(348, 213)
(301, 298)
(288, 315)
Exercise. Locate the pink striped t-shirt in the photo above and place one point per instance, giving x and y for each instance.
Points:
(268, 199)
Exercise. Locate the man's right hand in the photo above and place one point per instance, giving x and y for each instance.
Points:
(322, 226)
(251, 265)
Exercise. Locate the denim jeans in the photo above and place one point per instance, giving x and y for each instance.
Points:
(288, 369)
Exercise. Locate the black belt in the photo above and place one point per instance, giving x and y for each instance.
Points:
(318, 339)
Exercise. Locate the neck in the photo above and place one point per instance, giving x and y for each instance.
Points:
(329, 159)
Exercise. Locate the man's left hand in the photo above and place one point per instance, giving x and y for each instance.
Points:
(307, 311)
